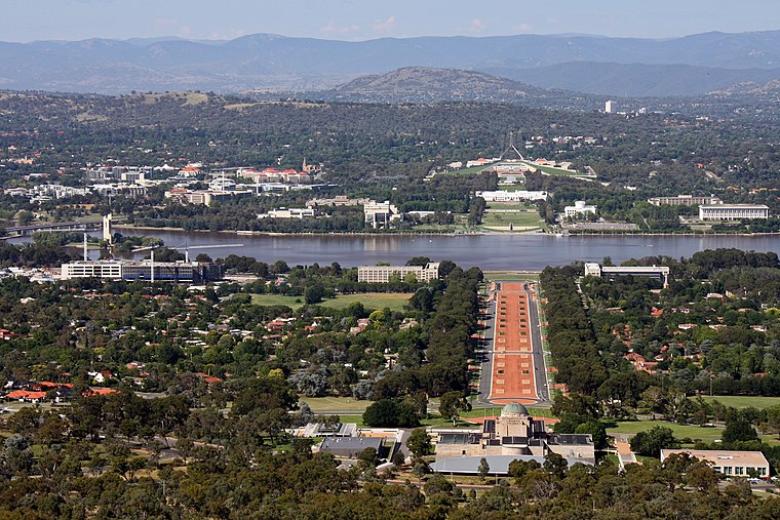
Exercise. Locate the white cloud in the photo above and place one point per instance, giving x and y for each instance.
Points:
(332, 28)
(385, 26)
(477, 25)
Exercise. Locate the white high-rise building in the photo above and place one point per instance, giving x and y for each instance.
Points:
(609, 107)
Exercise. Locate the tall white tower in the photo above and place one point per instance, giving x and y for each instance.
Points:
(107, 232)
(609, 107)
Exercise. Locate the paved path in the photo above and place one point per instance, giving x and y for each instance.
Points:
(513, 367)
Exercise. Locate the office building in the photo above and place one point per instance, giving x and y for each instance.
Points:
(202, 197)
(141, 271)
(727, 462)
(384, 273)
(609, 107)
(379, 214)
(638, 271)
(734, 212)
(685, 200)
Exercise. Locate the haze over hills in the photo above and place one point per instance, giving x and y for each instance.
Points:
(595, 64)
(636, 79)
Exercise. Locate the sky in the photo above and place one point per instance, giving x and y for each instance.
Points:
(28, 20)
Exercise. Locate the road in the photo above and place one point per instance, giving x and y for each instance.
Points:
(486, 351)
(540, 368)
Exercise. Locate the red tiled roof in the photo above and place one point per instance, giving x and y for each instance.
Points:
(96, 390)
(208, 379)
(25, 394)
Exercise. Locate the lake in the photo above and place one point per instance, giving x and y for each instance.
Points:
(490, 252)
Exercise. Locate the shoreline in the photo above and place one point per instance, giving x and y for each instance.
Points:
(442, 234)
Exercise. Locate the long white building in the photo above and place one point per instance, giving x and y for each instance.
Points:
(685, 200)
(640, 271)
(733, 212)
(383, 273)
(139, 271)
(511, 196)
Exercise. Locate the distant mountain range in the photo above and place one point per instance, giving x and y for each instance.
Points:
(636, 79)
(690, 65)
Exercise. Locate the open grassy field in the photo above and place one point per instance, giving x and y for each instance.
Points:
(744, 401)
(394, 301)
(520, 217)
(328, 405)
(680, 430)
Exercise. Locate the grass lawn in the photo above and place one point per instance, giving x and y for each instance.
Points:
(554, 171)
(680, 430)
(511, 187)
(395, 301)
(277, 299)
(511, 206)
(520, 217)
(536, 411)
(335, 404)
(744, 401)
(511, 275)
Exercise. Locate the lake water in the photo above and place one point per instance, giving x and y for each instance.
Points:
(490, 252)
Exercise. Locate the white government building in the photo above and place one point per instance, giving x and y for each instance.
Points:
(580, 208)
(511, 196)
(733, 212)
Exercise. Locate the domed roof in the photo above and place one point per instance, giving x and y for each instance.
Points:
(514, 410)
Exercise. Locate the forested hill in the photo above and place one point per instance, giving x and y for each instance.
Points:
(425, 85)
(359, 141)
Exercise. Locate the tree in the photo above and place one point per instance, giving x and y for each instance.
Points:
(650, 443)
(313, 294)
(421, 261)
(555, 464)
(773, 419)
(419, 443)
(452, 404)
(369, 456)
(598, 432)
(738, 428)
(391, 413)
(484, 468)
